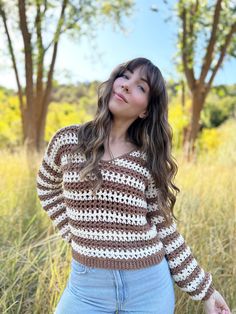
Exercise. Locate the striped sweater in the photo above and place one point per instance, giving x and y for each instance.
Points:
(121, 227)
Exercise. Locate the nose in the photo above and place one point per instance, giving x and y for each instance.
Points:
(125, 87)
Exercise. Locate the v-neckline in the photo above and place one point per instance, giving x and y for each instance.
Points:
(120, 156)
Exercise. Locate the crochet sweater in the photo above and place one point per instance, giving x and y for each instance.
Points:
(121, 227)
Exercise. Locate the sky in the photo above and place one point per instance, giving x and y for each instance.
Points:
(147, 35)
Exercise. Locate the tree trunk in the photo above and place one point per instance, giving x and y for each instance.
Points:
(34, 129)
(41, 126)
(198, 99)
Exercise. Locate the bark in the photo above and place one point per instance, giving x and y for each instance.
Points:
(198, 99)
(30, 118)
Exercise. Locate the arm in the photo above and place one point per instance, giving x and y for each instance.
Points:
(186, 272)
(49, 186)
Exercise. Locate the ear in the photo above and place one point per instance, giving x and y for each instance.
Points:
(143, 115)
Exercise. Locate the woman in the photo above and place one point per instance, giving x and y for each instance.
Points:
(107, 186)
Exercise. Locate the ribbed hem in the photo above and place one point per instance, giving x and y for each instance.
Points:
(210, 290)
(118, 264)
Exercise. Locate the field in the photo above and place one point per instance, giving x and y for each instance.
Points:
(34, 262)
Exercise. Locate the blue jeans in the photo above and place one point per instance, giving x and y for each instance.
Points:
(96, 290)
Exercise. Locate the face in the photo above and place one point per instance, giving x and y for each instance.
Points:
(129, 98)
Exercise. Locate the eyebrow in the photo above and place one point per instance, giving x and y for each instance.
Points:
(141, 78)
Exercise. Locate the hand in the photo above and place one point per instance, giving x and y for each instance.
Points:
(216, 304)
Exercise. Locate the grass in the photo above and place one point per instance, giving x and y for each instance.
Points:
(34, 262)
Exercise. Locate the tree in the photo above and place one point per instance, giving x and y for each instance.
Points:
(207, 30)
(41, 26)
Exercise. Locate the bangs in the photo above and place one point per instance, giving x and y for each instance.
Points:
(148, 70)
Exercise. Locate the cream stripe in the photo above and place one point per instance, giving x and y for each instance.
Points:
(60, 218)
(174, 244)
(55, 209)
(48, 175)
(132, 166)
(192, 284)
(111, 177)
(48, 192)
(64, 229)
(107, 216)
(49, 160)
(184, 274)
(112, 196)
(46, 184)
(164, 232)
(52, 200)
(178, 260)
(118, 253)
(116, 235)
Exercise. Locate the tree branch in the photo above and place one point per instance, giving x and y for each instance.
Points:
(54, 54)
(209, 52)
(222, 54)
(189, 72)
(28, 53)
(41, 52)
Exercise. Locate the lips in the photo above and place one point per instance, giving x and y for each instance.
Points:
(121, 96)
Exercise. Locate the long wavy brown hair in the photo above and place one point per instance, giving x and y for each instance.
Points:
(151, 134)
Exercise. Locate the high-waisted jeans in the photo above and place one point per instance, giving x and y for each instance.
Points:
(96, 290)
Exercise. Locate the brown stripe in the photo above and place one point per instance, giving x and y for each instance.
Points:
(53, 204)
(178, 269)
(202, 285)
(46, 179)
(48, 168)
(106, 226)
(109, 263)
(114, 245)
(184, 283)
(58, 213)
(106, 186)
(51, 195)
(59, 133)
(110, 206)
(62, 224)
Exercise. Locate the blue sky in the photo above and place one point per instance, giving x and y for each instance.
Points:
(147, 35)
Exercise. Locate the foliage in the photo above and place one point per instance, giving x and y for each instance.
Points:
(217, 110)
(178, 119)
(63, 114)
(220, 141)
(208, 140)
(220, 105)
(10, 123)
(72, 93)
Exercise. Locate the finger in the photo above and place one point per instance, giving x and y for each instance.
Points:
(223, 306)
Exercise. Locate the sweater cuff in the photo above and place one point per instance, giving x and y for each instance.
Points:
(209, 292)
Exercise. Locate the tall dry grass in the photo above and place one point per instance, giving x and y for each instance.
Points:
(34, 262)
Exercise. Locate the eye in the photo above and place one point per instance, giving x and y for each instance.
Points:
(142, 88)
(125, 76)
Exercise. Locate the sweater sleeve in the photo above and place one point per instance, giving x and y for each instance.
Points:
(50, 188)
(186, 272)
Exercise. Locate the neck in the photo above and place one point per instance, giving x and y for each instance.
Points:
(118, 132)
